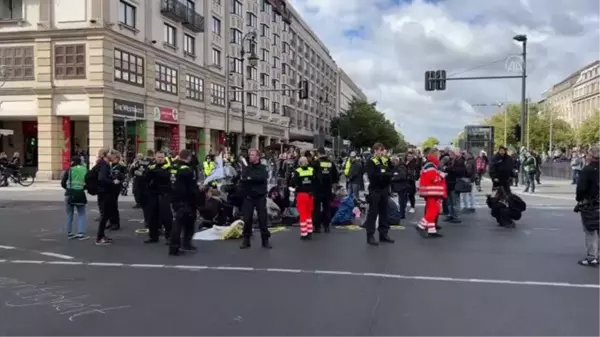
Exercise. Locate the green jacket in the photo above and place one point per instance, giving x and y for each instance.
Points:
(529, 165)
(73, 181)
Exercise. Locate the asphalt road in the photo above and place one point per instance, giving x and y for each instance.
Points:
(477, 280)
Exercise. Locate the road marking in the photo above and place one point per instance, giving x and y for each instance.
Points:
(7, 247)
(545, 196)
(59, 256)
(320, 272)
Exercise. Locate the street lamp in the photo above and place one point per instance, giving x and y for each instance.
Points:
(253, 60)
(523, 39)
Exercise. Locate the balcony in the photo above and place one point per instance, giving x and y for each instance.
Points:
(179, 12)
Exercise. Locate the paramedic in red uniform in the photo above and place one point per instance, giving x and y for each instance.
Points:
(432, 188)
(302, 181)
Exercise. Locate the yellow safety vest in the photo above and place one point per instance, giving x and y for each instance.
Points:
(305, 173)
(384, 162)
(325, 167)
(347, 167)
(209, 167)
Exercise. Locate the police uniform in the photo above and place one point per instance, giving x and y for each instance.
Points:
(185, 193)
(140, 186)
(159, 203)
(253, 182)
(326, 174)
(379, 173)
(208, 167)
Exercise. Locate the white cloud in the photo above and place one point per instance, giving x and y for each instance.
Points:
(404, 40)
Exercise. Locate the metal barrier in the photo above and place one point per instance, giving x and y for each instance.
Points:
(559, 170)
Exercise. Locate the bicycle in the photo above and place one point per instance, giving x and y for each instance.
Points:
(22, 178)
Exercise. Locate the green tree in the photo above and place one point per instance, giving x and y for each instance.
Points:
(538, 131)
(588, 132)
(430, 142)
(363, 125)
(459, 137)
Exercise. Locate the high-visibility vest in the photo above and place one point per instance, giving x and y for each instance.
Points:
(347, 167)
(209, 167)
(325, 167)
(305, 173)
(77, 177)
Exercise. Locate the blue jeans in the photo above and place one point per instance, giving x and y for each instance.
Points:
(467, 200)
(575, 176)
(402, 200)
(452, 199)
(81, 218)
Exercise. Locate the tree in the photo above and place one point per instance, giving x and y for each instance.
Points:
(363, 125)
(588, 132)
(430, 142)
(538, 130)
(458, 139)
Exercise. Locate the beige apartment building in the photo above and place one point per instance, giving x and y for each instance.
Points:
(348, 90)
(575, 98)
(80, 75)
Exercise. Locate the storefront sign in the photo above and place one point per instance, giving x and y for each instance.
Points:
(174, 144)
(66, 150)
(128, 109)
(169, 115)
(269, 131)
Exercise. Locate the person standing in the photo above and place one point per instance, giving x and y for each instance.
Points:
(106, 191)
(140, 182)
(118, 172)
(379, 174)
(326, 175)
(529, 170)
(354, 177)
(587, 196)
(413, 164)
(432, 188)
(467, 198)
(400, 184)
(501, 169)
(481, 164)
(73, 182)
(577, 163)
(209, 166)
(159, 202)
(185, 194)
(254, 181)
(303, 181)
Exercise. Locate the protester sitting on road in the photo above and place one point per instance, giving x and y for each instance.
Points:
(73, 182)
(3, 169)
(588, 202)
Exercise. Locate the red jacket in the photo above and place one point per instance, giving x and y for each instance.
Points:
(432, 183)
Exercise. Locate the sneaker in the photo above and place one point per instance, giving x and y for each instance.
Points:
(71, 236)
(411, 210)
(588, 262)
(82, 237)
(103, 242)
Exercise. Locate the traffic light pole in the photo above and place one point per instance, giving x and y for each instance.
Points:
(266, 90)
(482, 78)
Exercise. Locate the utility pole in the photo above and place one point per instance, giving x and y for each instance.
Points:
(523, 39)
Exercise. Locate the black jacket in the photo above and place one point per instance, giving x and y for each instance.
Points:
(400, 178)
(501, 167)
(325, 177)
(158, 177)
(254, 179)
(356, 172)
(185, 189)
(105, 182)
(306, 184)
(587, 186)
(455, 170)
(414, 169)
(379, 174)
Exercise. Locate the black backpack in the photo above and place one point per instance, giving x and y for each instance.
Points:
(91, 180)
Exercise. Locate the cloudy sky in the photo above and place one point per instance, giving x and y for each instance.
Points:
(386, 45)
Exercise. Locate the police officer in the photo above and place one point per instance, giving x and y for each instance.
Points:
(326, 175)
(140, 182)
(379, 173)
(254, 188)
(209, 166)
(185, 194)
(159, 198)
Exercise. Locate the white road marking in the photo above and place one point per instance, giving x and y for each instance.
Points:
(546, 196)
(59, 256)
(7, 247)
(321, 272)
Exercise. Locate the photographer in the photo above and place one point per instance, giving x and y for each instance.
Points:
(588, 205)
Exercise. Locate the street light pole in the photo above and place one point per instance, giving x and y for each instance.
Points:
(550, 143)
(523, 39)
(253, 59)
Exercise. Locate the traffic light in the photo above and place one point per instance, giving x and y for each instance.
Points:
(430, 80)
(303, 93)
(517, 131)
(440, 80)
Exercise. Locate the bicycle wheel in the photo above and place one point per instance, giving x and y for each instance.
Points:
(25, 179)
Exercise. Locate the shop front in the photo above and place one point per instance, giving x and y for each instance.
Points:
(166, 129)
(129, 128)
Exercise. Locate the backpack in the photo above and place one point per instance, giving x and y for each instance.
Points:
(91, 180)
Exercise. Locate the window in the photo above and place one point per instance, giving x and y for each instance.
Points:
(264, 30)
(236, 36)
(264, 103)
(170, 35)
(194, 87)
(264, 79)
(275, 62)
(284, 68)
(275, 39)
(11, 10)
(264, 55)
(189, 45)
(252, 73)
(216, 57)
(286, 47)
(251, 99)
(217, 94)
(166, 79)
(129, 68)
(126, 14)
(265, 6)
(285, 88)
(234, 95)
(276, 17)
(216, 26)
(191, 6)
(251, 19)
(69, 61)
(17, 63)
(236, 7)
(275, 84)
(275, 107)
(236, 65)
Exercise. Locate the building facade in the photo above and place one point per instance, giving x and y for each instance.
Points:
(81, 75)
(575, 98)
(348, 90)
